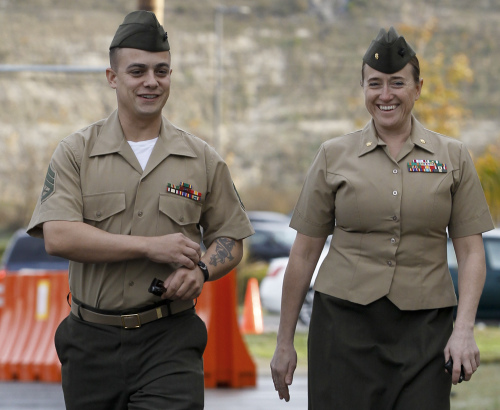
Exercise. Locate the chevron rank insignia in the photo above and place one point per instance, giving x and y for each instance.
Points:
(49, 185)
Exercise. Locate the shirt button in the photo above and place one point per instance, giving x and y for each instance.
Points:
(389, 263)
(131, 283)
(139, 213)
(181, 219)
(394, 218)
(98, 214)
(393, 240)
(394, 171)
(394, 193)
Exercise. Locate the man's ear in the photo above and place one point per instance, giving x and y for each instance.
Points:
(111, 77)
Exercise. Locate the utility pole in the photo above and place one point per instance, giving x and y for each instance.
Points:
(156, 6)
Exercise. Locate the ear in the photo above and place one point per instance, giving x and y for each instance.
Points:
(419, 88)
(111, 77)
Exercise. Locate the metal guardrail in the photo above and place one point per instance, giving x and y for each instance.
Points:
(10, 68)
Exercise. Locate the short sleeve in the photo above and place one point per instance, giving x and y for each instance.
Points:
(314, 214)
(223, 213)
(61, 197)
(470, 214)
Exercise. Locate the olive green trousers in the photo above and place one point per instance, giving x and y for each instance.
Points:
(156, 366)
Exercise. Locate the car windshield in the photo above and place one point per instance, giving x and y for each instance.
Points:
(285, 236)
(492, 247)
(30, 253)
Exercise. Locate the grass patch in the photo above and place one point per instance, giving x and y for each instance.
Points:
(481, 393)
(488, 341)
(262, 347)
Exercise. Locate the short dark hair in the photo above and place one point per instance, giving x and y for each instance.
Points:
(413, 62)
(113, 59)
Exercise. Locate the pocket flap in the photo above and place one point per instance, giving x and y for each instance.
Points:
(182, 210)
(97, 207)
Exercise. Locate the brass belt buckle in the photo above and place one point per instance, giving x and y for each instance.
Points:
(126, 317)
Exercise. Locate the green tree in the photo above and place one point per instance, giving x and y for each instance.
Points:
(488, 169)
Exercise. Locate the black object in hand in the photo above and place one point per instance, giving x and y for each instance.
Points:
(156, 287)
(449, 368)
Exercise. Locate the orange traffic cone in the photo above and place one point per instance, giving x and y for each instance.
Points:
(252, 310)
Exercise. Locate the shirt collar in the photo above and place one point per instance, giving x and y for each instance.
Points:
(419, 136)
(112, 140)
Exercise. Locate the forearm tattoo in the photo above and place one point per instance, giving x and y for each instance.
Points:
(223, 248)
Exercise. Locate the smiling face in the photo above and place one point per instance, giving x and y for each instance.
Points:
(142, 82)
(389, 98)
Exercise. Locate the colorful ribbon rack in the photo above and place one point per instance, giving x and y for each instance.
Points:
(184, 189)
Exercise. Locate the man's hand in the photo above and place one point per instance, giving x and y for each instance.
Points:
(184, 284)
(175, 248)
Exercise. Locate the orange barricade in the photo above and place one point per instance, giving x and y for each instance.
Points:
(35, 304)
(227, 362)
(2, 292)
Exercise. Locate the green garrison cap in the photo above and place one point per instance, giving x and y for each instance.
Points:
(141, 29)
(389, 52)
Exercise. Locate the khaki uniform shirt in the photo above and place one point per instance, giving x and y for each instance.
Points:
(389, 224)
(95, 177)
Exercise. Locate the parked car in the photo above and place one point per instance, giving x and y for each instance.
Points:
(25, 252)
(268, 216)
(489, 304)
(270, 286)
(271, 240)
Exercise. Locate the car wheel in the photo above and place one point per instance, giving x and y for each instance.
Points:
(306, 310)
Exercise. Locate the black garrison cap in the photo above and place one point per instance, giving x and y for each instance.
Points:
(389, 52)
(141, 29)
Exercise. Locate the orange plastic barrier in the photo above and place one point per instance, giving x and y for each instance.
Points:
(227, 361)
(35, 304)
(2, 291)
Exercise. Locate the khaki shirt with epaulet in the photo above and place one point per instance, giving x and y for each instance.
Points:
(95, 177)
(389, 221)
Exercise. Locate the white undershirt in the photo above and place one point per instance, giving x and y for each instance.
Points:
(142, 150)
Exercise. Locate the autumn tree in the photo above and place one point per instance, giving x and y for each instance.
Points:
(488, 169)
(441, 107)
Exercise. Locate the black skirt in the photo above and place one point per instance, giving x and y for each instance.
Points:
(377, 357)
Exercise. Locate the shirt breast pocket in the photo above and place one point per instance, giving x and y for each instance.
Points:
(104, 210)
(179, 214)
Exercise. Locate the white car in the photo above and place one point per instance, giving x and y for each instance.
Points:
(272, 284)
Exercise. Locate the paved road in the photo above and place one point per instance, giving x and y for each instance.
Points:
(48, 396)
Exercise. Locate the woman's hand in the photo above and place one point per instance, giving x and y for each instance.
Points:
(462, 346)
(283, 365)
(463, 349)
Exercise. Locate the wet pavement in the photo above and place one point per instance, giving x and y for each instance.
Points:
(49, 396)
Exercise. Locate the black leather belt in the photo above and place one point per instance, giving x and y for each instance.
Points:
(130, 321)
